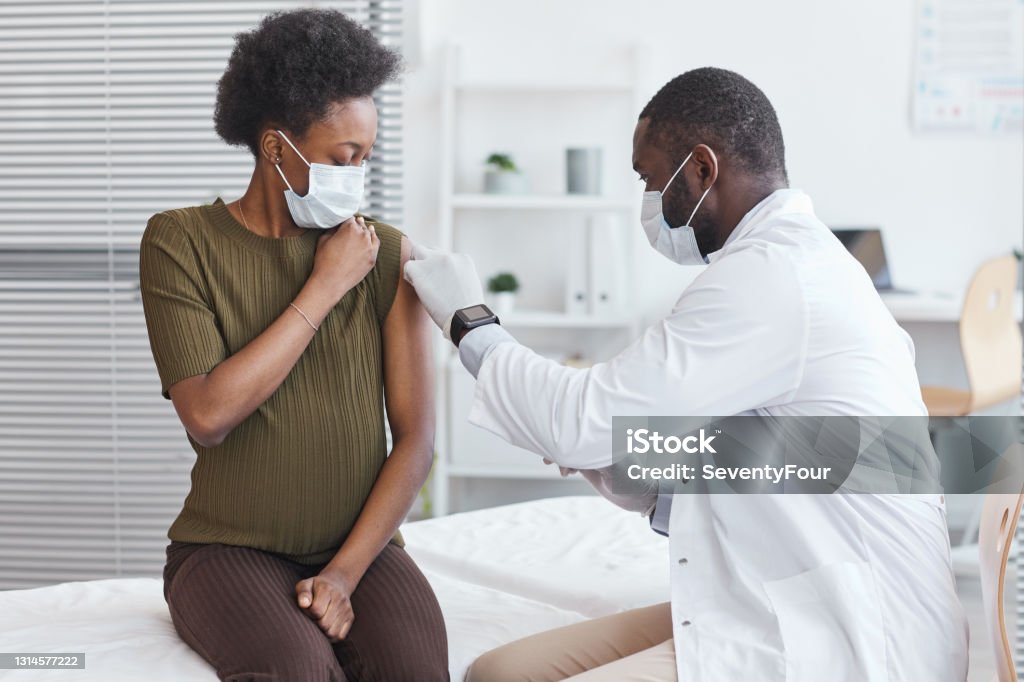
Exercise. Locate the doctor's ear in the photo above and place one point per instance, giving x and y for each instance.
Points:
(706, 165)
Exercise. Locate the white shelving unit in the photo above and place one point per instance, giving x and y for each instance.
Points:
(553, 202)
(465, 451)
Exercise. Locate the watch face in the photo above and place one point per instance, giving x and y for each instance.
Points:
(476, 312)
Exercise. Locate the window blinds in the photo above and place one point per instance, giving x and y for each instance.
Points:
(106, 118)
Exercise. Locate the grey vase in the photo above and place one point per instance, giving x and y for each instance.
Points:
(583, 170)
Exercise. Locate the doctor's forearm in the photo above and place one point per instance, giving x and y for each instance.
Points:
(476, 344)
(532, 401)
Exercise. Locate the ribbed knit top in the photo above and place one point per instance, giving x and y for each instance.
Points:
(292, 478)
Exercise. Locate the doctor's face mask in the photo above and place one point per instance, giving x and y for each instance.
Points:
(678, 244)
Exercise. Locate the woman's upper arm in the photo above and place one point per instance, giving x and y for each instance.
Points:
(184, 335)
(408, 363)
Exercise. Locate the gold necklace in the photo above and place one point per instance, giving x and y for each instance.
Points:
(244, 222)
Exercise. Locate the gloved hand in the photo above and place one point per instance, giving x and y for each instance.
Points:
(642, 500)
(444, 282)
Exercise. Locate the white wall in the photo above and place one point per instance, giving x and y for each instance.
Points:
(838, 74)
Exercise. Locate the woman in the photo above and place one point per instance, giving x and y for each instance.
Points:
(278, 322)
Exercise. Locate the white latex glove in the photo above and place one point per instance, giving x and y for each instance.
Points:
(444, 282)
(642, 501)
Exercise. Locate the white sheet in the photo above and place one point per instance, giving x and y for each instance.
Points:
(580, 554)
(499, 574)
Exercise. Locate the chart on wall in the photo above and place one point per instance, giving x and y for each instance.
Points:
(969, 66)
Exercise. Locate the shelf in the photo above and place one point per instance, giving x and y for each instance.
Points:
(591, 223)
(541, 202)
(539, 86)
(549, 472)
(931, 306)
(543, 318)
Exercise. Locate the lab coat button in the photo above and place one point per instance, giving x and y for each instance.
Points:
(685, 623)
(683, 561)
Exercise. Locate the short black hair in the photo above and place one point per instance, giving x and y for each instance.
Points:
(723, 110)
(290, 70)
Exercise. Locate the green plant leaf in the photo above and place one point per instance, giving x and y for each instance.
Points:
(502, 282)
(501, 161)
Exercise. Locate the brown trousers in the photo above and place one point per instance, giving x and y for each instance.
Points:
(236, 607)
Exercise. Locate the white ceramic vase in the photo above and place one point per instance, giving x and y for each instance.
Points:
(504, 182)
(503, 302)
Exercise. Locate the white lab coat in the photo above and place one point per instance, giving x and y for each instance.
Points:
(783, 321)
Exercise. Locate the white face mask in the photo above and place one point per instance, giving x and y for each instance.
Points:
(678, 244)
(334, 195)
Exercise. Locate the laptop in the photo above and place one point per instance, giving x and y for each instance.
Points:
(865, 244)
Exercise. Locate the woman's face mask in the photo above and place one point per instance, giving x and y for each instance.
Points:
(678, 244)
(335, 193)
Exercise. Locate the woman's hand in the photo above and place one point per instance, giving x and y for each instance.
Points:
(326, 598)
(344, 255)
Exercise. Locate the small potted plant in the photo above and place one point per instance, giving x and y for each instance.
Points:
(502, 176)
(503, 287)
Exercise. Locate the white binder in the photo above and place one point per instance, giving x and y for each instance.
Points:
(605, 265)
(576, 271)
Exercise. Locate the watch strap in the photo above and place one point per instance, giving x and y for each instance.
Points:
(457, 326)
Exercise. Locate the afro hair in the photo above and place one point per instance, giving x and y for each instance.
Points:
(292, 68)
(724, 110)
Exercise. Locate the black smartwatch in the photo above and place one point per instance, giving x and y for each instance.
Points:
(470, 318)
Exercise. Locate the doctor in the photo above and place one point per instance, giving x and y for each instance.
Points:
(782, 321)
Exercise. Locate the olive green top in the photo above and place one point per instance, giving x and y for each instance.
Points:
(293, 476)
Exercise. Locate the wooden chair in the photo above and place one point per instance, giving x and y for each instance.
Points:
(995, 537)
(990, 342)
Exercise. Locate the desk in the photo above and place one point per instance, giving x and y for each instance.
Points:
(932, 320)
(932, 306)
